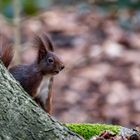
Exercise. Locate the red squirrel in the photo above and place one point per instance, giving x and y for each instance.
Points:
(31, 76)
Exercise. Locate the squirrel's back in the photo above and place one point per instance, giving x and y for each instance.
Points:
(6, 50)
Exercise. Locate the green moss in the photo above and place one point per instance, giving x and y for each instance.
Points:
(89, 130)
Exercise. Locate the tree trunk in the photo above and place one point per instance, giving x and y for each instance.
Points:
(22, 119)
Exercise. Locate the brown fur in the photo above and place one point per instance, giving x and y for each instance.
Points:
(6, 50)
(49, 99)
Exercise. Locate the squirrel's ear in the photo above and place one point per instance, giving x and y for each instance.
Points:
(47, 41)
(42, 51)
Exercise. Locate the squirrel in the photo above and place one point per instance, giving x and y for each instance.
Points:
(32, 76)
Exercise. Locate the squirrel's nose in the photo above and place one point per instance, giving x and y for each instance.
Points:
(62, 67)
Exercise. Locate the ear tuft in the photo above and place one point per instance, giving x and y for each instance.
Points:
(47, 41)
(39, 43)
(44, 44)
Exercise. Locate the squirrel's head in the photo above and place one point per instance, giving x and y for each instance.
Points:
(49, 63)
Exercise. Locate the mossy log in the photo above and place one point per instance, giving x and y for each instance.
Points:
(22, 119)
(87, 130)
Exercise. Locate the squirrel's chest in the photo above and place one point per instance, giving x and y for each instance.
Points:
(43, 89)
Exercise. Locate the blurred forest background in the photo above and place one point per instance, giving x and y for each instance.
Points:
(99, 41)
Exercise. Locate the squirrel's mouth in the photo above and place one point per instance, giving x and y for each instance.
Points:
(56, 72)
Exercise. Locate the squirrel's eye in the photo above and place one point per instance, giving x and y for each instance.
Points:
(50, 60)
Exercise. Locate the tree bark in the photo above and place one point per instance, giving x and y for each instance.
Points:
(22, 119)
